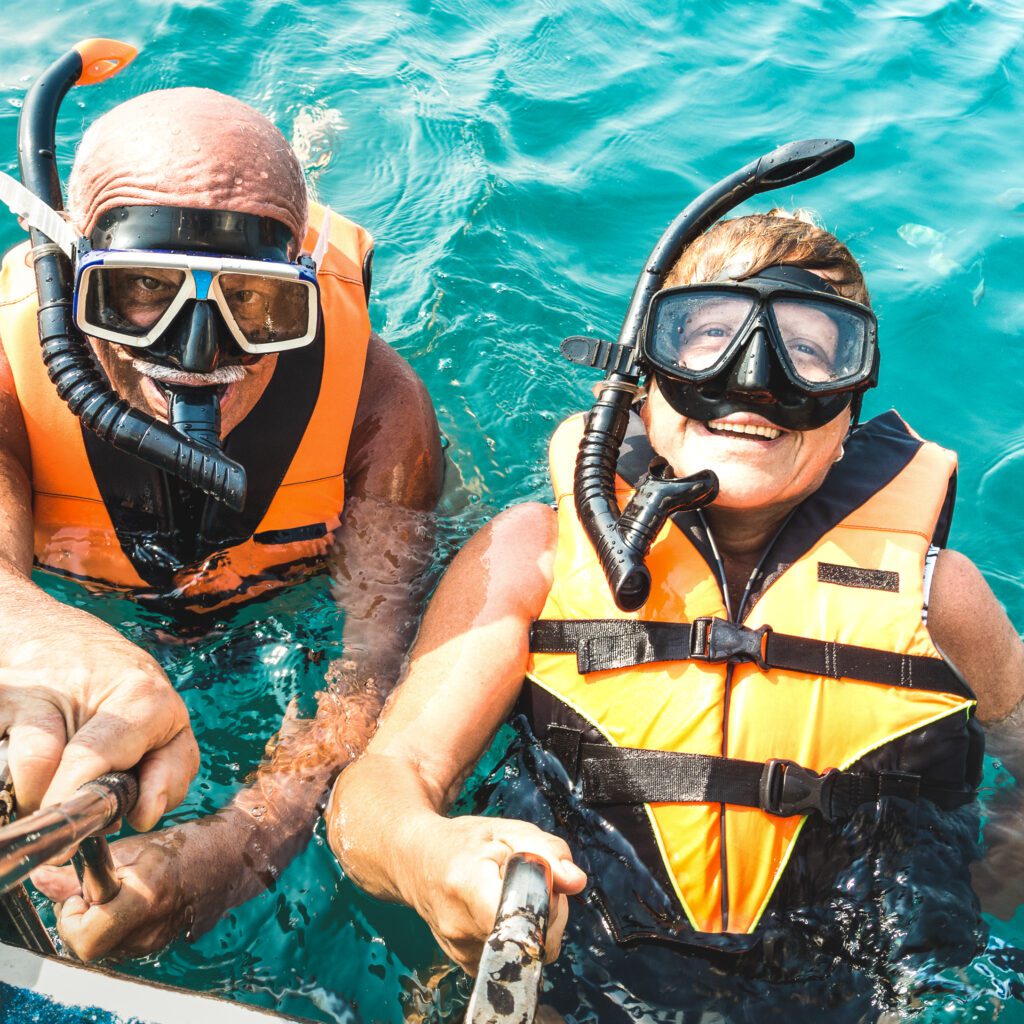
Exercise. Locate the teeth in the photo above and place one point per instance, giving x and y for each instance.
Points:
(723, 426)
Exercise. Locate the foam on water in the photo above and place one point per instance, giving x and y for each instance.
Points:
(516, 162)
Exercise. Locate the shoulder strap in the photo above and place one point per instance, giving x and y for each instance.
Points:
(876, 454)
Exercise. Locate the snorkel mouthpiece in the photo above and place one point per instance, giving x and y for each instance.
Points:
(621, 540)
(658, 495)
(68, 361)
(195, 412)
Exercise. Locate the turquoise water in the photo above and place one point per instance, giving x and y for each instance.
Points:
(516, 162)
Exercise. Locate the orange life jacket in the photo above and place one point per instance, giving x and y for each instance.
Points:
(826, 663)
(108, 519)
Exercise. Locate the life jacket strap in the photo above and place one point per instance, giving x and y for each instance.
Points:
(604, 644)
(630, 775)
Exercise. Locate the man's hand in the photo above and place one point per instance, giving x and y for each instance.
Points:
(186, 876)
(152, 907)
(78, 700)
(457, 883)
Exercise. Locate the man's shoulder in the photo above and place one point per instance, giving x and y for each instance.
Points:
(388, 376)
(395, 438)
(394, 396)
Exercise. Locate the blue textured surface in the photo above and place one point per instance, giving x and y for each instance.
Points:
(19, 1006)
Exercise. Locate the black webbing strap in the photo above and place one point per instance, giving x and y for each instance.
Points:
(628, 775)
(602, 644)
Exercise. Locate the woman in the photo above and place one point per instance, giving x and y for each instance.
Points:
(766, 760)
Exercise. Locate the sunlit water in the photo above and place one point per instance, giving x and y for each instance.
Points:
(515, 162)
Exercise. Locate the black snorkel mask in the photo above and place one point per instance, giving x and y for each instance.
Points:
(781, 344)
(752, 365)
(188, 447)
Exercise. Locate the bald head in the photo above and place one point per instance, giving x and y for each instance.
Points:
(186, 147)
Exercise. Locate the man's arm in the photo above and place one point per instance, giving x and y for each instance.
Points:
(972, 629)
(385, 820)
(76, 698)
(379, 573)
(383, 551)
(191, 873)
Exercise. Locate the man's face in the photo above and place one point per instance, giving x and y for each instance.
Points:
(242, 377)
(197, 149)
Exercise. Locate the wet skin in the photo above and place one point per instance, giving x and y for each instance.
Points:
(126, 369)
(99, 702)
(386, 820)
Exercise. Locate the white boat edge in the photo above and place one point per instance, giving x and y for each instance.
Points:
(78, 986)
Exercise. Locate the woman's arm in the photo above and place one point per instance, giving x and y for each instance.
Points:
(385, 819)
(972, 629)
(970, 626)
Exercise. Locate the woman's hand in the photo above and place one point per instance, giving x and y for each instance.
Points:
(77, 699)
(455, 884)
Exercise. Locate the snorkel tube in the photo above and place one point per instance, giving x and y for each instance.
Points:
(194, 459)
(622, 541)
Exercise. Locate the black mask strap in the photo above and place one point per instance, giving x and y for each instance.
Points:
(797, 276)
(181, 229)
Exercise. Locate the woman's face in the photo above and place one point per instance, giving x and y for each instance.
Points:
(760, 466)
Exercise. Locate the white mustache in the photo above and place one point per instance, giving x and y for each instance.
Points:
(221, 375)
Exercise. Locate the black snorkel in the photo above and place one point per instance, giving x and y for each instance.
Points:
(179, 448)
(623, 540)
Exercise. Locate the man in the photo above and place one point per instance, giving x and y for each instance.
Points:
(336, 435)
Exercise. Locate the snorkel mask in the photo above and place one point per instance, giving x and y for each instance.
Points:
(144, 280)
(185, 287)
(781, 344)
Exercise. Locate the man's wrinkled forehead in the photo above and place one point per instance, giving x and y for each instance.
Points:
(191, 148)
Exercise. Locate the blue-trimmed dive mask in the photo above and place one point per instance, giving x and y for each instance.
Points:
(782, 344)
(191, 286)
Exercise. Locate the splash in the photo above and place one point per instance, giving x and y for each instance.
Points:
(315, 135)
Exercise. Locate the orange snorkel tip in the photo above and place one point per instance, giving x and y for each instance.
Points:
(102, 59)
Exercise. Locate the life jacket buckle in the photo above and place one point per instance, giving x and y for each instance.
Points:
(714, 639)
(788, 789)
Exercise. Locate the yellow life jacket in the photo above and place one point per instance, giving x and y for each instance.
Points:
(709, 737)
(110, 520)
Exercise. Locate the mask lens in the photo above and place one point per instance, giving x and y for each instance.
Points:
(694, 330)
(268, 310)
(826, 344)
(129, 300)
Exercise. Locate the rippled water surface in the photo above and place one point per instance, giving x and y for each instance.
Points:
(516, 161)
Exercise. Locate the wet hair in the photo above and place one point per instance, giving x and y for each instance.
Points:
(739, 248)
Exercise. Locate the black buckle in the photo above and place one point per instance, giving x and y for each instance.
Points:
(722, 640)
(787, 789)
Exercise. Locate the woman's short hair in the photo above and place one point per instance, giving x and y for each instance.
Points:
(744, 246)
